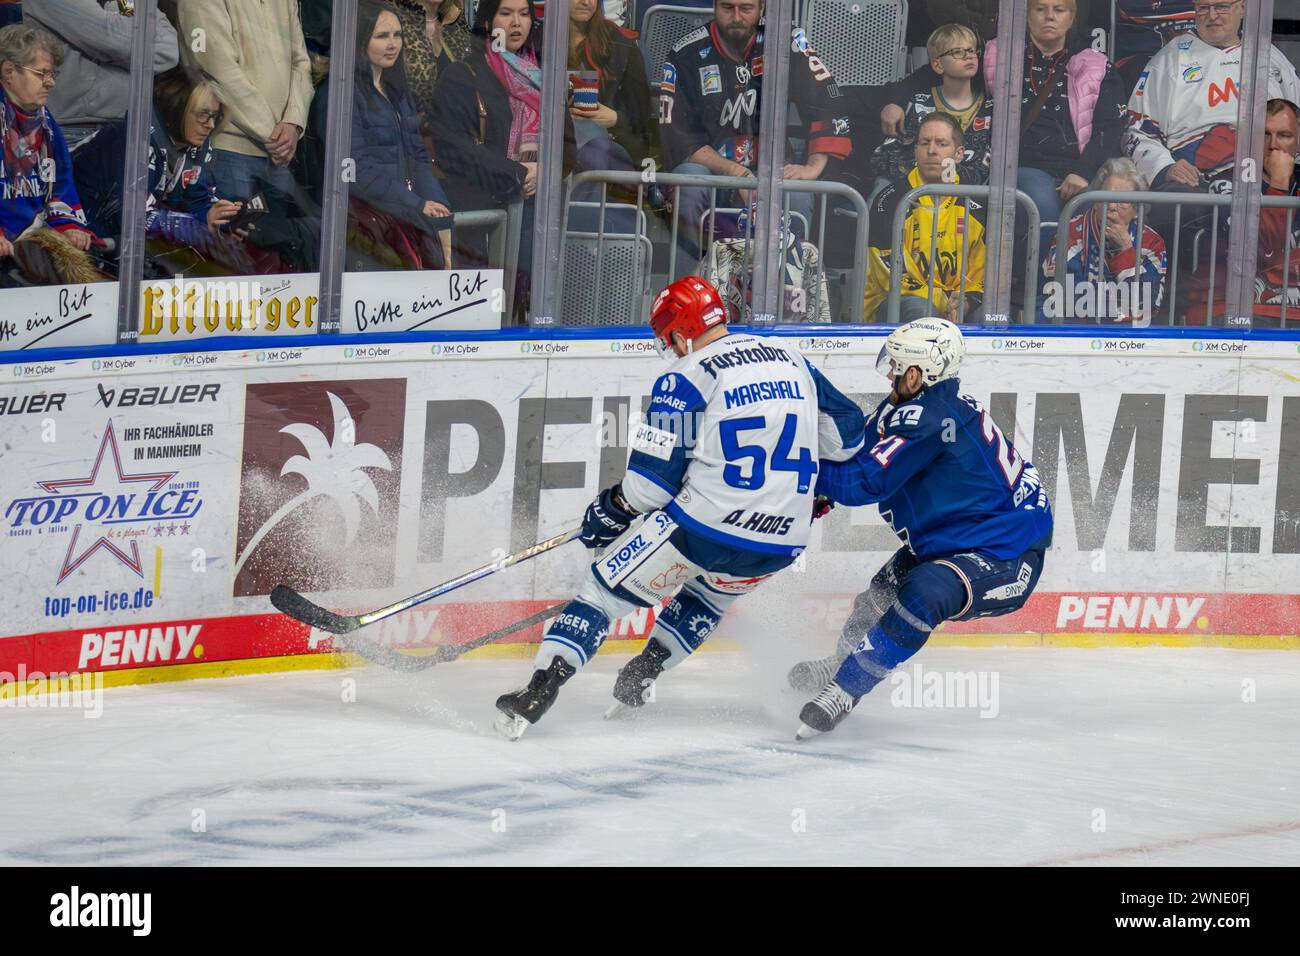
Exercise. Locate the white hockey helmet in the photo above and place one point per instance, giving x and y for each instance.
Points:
(933, 345)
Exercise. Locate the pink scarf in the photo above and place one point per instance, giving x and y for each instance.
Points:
(522, 78)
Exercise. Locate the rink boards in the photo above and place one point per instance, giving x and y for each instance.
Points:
(151, 501)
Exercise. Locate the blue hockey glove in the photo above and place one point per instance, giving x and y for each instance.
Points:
(607, 517)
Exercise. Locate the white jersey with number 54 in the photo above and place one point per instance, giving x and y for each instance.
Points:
(731, 440)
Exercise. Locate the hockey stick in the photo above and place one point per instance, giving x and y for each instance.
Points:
(396, 660)
(290, 602)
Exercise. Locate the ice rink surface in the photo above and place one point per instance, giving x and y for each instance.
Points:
(1111, 757)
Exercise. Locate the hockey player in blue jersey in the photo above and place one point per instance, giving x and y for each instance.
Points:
(723, 469)
(971, 512)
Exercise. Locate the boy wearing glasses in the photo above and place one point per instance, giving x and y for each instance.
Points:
(955, 58)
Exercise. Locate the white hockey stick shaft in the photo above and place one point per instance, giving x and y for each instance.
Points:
(469, 577)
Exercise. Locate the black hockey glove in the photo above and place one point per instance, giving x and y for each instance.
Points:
(822, 507)
(607, 517)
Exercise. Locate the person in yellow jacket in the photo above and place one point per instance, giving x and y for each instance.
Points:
(956, 278)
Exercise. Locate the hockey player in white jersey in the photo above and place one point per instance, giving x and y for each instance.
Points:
(723, 469)
(1183, 111)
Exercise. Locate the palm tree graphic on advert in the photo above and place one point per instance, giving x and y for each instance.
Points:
(337, 482)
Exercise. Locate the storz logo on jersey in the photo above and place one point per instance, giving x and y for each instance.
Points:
(710, 80)
(625, 555)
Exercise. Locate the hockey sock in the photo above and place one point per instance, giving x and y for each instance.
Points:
(897, 636)
(685, 623)
(868, 607)
(931, 594)
(575, 635)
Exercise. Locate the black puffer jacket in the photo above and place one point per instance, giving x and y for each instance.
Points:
(479, 176)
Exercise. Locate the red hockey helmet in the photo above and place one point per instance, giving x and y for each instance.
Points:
(689, 307)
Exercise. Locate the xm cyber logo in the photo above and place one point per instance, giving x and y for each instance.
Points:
(107, 510)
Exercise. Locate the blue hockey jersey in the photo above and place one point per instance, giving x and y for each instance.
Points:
(946, 478)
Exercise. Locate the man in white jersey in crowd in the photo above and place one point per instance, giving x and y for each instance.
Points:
(1182, 131)
(723, 470)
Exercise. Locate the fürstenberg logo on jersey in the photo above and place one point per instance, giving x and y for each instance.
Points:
(60, 690)
(939, 690)
(75, 908)
(1099, 299)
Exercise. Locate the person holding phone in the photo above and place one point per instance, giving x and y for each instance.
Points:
(183, 208)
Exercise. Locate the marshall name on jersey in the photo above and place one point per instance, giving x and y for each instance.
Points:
(731, 442)
(1184, 106)
(708, 98)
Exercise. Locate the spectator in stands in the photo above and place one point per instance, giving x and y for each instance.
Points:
(1072, 108)
(42, 225)
(1182, 130)
(709, 117)
(182, 209)
(254, 51)
(982, 15)
(618, 132)
(953, 285)
(1277, 268)
(1113, 275)
(1142, 27)
(486, 124)
(398, 210)
(96, 74)
(955, 59)
(434, 35)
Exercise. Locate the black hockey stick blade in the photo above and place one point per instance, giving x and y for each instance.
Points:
(290, 602)
(396, 660)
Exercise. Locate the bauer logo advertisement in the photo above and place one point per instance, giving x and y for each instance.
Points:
(318, 485)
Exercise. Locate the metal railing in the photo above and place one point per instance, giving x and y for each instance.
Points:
(504, 227)
(607, 178)
(894, 302)
(1214, 201)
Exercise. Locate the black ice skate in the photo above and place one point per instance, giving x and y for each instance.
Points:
(808, 676)
(523, 707)
(637, 675)
(825, 711)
